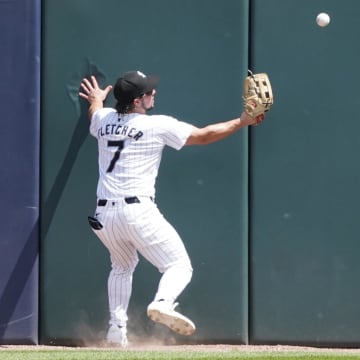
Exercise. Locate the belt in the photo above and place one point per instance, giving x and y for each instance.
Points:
(128, 200)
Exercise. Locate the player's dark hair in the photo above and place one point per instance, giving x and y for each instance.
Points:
(122, 108)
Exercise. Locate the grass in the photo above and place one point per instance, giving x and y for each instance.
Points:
(85, 354)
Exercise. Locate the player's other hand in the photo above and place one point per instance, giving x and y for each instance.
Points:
(91, 91)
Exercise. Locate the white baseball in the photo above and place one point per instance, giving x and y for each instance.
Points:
(323, 19)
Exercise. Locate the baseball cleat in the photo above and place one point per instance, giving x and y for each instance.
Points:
(117, 336)
(163, 312)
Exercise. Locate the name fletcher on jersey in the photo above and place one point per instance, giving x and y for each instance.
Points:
(117, 129)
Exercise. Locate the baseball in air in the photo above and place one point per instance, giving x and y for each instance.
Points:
(323, 19)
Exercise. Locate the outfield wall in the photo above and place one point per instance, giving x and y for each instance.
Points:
(197, 183)
(304, 176)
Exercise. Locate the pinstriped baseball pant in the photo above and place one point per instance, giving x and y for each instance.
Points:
(140, 227)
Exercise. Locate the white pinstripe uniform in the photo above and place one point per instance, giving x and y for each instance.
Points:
(130, 148)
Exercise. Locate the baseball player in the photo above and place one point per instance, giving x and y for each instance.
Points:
(127, 219)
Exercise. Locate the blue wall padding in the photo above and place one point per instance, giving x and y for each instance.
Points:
(19, 179)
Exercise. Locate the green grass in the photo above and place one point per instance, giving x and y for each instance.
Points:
(80, 354)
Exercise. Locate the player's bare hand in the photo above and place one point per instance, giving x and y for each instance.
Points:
(247, 120)
(91, 90)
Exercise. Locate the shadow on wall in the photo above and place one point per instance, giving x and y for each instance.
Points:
(79, 135)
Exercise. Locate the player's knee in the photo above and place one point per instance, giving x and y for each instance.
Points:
(124, 269)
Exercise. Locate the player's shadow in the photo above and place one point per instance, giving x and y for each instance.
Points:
(78, 138)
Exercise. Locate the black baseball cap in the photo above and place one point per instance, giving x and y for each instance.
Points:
(133, 84)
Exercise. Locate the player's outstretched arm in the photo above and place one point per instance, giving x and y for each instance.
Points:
(93, 94)
(219, 131)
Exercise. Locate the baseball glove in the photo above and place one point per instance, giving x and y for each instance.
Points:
(258, 95)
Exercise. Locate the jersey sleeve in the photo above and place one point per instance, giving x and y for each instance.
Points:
(173, 132)
(94, 123)
(97, 119)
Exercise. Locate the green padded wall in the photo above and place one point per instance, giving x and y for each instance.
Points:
(305, 175)
(199, 49)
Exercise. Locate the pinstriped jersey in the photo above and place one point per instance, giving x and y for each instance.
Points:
(130, 148)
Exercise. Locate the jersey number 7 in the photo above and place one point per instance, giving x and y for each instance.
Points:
(120, 146)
